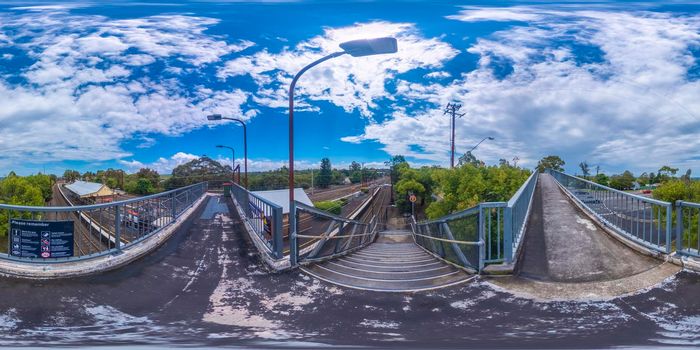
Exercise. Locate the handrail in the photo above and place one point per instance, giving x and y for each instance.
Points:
(642, 198)
(94, 206)
(522, 188)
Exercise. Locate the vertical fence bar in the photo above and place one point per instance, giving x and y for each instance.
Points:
(293, 251)
(508, 234)
(679, 226)
(277, 234)
(117, 229)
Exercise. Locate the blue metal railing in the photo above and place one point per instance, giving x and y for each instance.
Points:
(688, 228)
(106, 228)
(516, 215)
(487, 233)
(264, 217)
(339, 235)
(643, 220)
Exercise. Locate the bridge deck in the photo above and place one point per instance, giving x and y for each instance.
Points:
(563, 246)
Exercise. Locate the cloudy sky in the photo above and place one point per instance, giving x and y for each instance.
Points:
(88, 86)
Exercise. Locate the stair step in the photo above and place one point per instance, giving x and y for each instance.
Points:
(378, 261)
(388, 268)
(404, 256)
(413, 273)
(383, 285)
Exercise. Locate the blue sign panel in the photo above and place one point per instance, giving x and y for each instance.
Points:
(41, 239)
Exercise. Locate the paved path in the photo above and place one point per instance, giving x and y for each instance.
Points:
(565, 255)
(205, 287)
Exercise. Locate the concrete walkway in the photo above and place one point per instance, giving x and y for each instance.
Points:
(564, 246)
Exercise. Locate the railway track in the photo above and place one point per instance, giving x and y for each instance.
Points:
(85, 243)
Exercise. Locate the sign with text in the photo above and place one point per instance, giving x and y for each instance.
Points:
(41, 239)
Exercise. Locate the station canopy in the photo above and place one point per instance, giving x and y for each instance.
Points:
(84, 189)
(281, 197)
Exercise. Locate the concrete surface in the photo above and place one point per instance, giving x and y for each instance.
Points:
(566, 255)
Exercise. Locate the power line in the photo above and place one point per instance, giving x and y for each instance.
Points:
(452, 109)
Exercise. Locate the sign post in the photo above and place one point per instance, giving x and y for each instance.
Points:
(412, 198)
(41, 239)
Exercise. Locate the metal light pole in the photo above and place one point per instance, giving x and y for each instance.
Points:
(233, 157)
(355, 48)
(245, 141)
(484, 139)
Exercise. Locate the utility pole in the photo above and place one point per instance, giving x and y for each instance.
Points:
(452, 109)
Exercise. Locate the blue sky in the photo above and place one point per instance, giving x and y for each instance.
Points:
(88, 86)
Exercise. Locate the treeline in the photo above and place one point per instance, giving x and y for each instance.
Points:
(32, 190)
(443, 191)
(145, 181)
(322, 177)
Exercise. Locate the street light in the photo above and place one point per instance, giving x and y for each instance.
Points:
(233, 157)
(355, 48)
(213, 117)
(484, 139)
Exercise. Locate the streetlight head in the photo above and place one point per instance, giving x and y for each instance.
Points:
(491, 138)
(219, 146)
(214, 117)
(368, 47)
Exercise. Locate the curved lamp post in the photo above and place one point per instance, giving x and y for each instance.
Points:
(213, 117)
(355, 48)
(484, 139)
(233, 156)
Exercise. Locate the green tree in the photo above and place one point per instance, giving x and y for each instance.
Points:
(602, 179)
(585, 169)
(71, 175)
(672, 191)
(198, 170)
(44, 183)
(19, 191)
(625, 181)
(325, 174)
(550, 162)
(394, 163)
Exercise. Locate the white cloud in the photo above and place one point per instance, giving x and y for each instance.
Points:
(83, 97)
(609, 87)
(470, 14)
(348, 82)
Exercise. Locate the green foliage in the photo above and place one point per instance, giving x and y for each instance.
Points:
(198, 170)
(20, 191)
(44, 183)
(468, 185)
(550, 162)
(325, 174)
(585, 169)
(625, 181)
(333, 207)
(674, 190)
(395, 164)
(602, 179)
(71, 175)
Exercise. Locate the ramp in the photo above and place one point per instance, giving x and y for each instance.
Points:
(563, 246)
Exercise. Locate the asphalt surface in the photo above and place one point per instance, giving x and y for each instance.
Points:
(206, 287)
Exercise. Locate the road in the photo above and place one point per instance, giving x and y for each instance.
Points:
(205, 287)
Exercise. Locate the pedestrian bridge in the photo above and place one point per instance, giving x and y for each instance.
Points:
(579, 238)
(557, 233)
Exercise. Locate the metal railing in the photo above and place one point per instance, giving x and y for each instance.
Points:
(517, 213)
(487, 233)
(643, 220)
(339, 235)
(95, 230)
(264, 217)
(688, 228)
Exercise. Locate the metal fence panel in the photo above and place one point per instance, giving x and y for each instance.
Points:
(263, 216)
(643, 220)
(105, 228)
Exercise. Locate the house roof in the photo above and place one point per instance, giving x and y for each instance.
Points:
(281, 197)
(84, 188)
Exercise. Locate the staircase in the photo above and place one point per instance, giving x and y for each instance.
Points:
(394, 263)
